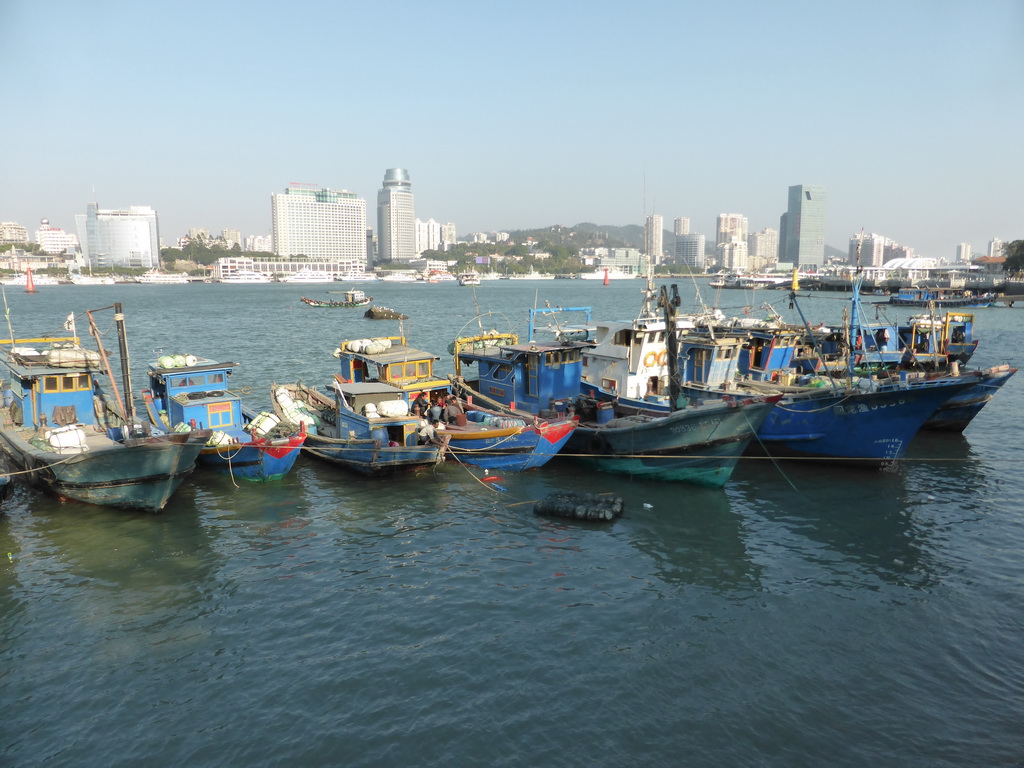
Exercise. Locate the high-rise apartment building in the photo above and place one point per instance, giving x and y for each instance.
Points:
(763, 249)
(732, 227)
(681, 226)
(396, 217)
(868, 250)
(448, 234)
(428, 236)
(995, 248)
(125, 238)
(320, 223)
(654, 235)
(802, 227)
(690, 251)
(963, 253)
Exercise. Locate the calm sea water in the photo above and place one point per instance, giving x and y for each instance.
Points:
(800, 616)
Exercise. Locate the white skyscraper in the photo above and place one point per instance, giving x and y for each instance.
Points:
(321, 224)
(682, 226)
(995, 248)
(396, 217)
(763, 249)
(732, 227)
(428, 236)
(690, 251)
(963, 253)
(126, 238)
(653, 236)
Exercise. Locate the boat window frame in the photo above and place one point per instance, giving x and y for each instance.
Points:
(215, 413)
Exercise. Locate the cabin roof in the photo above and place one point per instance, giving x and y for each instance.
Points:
(30, 366)
(205, 365)
(365, 387)
(396, 354)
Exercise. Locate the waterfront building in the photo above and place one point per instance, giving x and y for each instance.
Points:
(54, 239)
(995, 248)
(10, 232)
(963, 253)
(733, 255)
(802, 227)
(396, 218)
(653, 237)
(128, 237)
(681, 226)
(763, 249)
(690, 251)
(320, 223)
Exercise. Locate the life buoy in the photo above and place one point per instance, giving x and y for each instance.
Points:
(651, 359)
(663, 357)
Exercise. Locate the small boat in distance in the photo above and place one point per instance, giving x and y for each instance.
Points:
(308, 275)
(469, 278)
(156, 277)
(353, 298)
(245, 276)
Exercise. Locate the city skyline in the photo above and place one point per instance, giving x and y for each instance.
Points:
(537, 125)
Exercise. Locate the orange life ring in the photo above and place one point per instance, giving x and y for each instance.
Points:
(651, 359)
(663, 357)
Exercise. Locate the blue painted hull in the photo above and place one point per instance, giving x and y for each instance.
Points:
(368, 457)
(507, 450)
(870, 429)
(250, 461)
(700, 444)
(957, 412)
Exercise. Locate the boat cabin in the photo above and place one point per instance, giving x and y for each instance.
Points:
(354, 297)
(769, 354)
(196, 395)
(389, 360)
(373, 410)
(536, 377)
(53, 386)
(710, 363)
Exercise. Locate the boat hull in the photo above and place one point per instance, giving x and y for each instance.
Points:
(142, 473)
(868, 429)
(510, 450)
(370, 457)
(259, 461)
(699, 445)
(957, 412)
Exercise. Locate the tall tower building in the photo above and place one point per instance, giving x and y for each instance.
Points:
(653, 236)
(690, 251)
(763, 249)
(802, 227)
(396, 217)
(126, 238)
(995, 248)
(681, 226)
(963, 253)
(320, 223)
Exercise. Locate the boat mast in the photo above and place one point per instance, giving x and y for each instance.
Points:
(668, 306)
(126, 375)
(106, 363)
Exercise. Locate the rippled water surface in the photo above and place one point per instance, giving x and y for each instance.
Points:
(800, 616)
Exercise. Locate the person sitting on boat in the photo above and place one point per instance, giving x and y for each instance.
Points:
(436, 411)
(425, 430)
(422, 402)
(453, 410)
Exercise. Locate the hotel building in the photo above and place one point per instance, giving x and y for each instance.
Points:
(396, 218)
(119, 238)
(320, 224)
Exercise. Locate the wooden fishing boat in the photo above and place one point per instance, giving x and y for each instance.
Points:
(356, 428)
(483, 437)
(353, 298)
(64, 434)
(186, 392)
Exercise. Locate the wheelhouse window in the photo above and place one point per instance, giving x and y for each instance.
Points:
(219, 415)
(79, 382)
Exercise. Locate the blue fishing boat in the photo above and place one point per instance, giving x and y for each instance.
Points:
(187, 392)
(940, 298)
(633, 419)
(64, 433)
(531, 386)
(491, 438)
(364, 427)
(839, 416)
(956, 413)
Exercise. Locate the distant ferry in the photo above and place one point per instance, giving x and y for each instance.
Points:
(245, 276)
(357, 277)
(469, 278)
(309, 276)
(77, 279)
(400, 277)
(156, 277)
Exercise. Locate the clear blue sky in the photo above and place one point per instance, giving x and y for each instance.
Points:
(523, 114)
